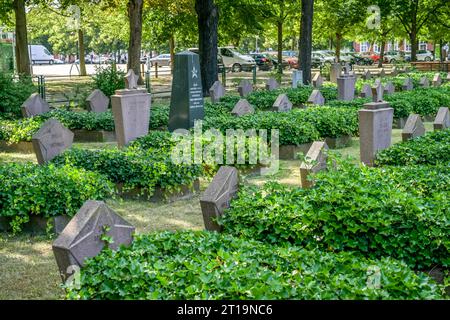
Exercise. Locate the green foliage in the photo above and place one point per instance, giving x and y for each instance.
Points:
(19, 130)
(13, 93)
(401, 213)
(82, 120)
(432, 148)
(109, 79)
(202, 265)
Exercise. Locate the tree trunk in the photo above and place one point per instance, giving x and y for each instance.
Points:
(134, 47)
(208, 21)
(172, 52)
(441, 51)
(338, 47)
(22, 54)
(305, 44)
(380, 62)
(413, 39)
(82, 53)
(280, 46)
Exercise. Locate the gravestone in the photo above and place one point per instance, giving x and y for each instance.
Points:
(375, 129)
(377, 93)
(413, 128)
(241, 108)
(245, 87)
(377, 82)
(186, 102)
(442, 120)
(216, 92)
(282, 104)
(34, 106)
(316, 98)
(335, 71)
(367, 75)
(408, 84)
(218, 195)
(297, 78)
(82, 237)
(394, 72)
(437, 80)
(272, 84)
(97, 101)
(131, 80)
(317, 80)
(424, 82)
(382, 73)
(346, 86)
(316, 160)
(366, 91)
(51, 140)
(389, 88)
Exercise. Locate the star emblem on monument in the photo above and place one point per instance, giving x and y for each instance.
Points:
(131, 80)
(194, 73)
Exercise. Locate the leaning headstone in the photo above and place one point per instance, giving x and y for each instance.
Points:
(346, 86)
(217, 91)
(437, 80)
(297, 78)
(317, 80)
(315, 161)
(51, 140)
(375, 129)
(389, 88)
(413, 128)
(377, 93)
(241, 108)
(82, 237)
(34, 105)
(335, 71)
(272, 84)
(282, 104)
(367, 75)
(316, 98)
(366, 91)
(186, 102)
(218, 195)
(442, 120)
(245, 87)
(97, 101)
(424, 82)
(408, 84)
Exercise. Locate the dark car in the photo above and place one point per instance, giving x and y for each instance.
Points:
(360, 60)
(263, 62)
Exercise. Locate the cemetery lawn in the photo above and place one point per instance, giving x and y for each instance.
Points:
(28, 269)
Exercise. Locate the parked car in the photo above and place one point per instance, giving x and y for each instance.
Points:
(422, 55)
(58, 61)
(273, 55)
(394, 56)
(263, 62)
(220, 64)
(360, 61)
(235, 60)
(323, 57)
(161, 60)
(40, 55)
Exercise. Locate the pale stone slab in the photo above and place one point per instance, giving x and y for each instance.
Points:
(366, 91)
(34, 106)
(346, 86)
(367, 75)
(442, 120)
(377, 93)
(241, 108)
(389, 88)
(282, 104)
(97, 101)
(131, 80)
(297, 78)
(413, 128)
(272, 84)
(437, 80)
(317, 80)
(316, 98)
(382, 73)
(408, 84)
(245, 88)
(217, 91)
(335, 72)
(424, 82)
(316, 160)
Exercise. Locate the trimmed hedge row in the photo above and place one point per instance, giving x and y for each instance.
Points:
(202, 265)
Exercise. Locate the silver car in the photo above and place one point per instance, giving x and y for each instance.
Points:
(161, 60)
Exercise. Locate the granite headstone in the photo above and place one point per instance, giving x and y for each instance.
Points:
(282, 104)
(34, 106)
(413, 127)
(97, 101)
(242, 107)
(272, 84)
(316, 160)
(217, 91)
(316, 98)
(245, 87)
(442, 120)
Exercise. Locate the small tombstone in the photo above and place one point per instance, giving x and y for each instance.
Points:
(317, 80)
(131, 80)
(34, 105)
(377, 93)
(316, 160)
(82, 237)
(437, 80)
(97, 101)
(377, 82)
(51, 140)
(217, 91)
(244, 88)
(394, 72)
(408, 84)
(413, 128)
(389, 88)
(367, 75)
(382, 73)
(335, 71)
(346, 85)
(366, 91)
(241, 108)
(297, 78)
(316, 98)
(424, 82)
(272, 84)
(282, 104)
(218, 196)
(442, 120)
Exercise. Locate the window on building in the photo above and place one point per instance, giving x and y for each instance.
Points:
(422, 45)
(364, 47)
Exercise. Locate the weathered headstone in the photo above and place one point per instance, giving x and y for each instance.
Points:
(82, 237)
(34, 105)
(375, 129)
(346, 85)
(272, 84)
(389, 88)
(131, 80)
(366, 91)
(51, 140)
(394, 72)
(316, 98)
(367, 75)
(377, 93)
(335, 71)
(413, 128)
(297, 78)
(218, 195)
(424, 82)
(217, 91)
(97, 101)
(442, 120)
(245, 87)
(241, 108)
(408, 84)
(186, 102)
(317, 80)
(282, 104)
(316, 160)
(437, 80)
(382, 73)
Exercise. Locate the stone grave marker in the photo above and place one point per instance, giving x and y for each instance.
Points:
(442, 120)
(413, 128)
(316, 160)
(366, 74)
(377, 82)
(317, 80)
(316, 98)
(34, 106)
(346, 86)
(377, 93)
(297, 78)
(408, 84)
(218, 195)
(51, 140)
(131, 80)
(437, 80)
(389, 88)
(272, 84)
(366, 91)
(282, 104)
(97, 101)
(382, 73)
(335, 71)
(424, 82)
(217, 91)
(241, 108)
(186, 102)
(394, 72)
(245, 87)
(82, 237)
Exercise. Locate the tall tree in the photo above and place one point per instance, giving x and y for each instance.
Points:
(22, 54)
(135, 8)
(305, 45)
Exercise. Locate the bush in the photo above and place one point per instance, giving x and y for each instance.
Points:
(430, 149)
(27, 189)
(109, 79)
(402, 213)
(82, 120)
(13, 93)
(201, 265)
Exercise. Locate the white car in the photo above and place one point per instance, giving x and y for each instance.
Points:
(39, 54)
(422, 55)
(161, 60)
(235, 60)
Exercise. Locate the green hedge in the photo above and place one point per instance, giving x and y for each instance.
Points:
(201, 265)
(27, 189)
(13, 93)
(430, 149)
(400, 79)
(402, 213)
